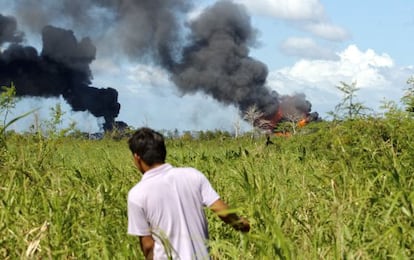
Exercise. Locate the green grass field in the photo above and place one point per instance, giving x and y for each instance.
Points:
(337, 190)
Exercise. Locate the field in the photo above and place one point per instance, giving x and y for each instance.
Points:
(334, 190)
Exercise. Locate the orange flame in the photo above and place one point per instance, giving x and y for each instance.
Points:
(283, 134)
(276, 117)
(303, 122)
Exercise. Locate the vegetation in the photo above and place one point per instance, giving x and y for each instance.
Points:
(349, 107)
(334, 190)
(408, 98)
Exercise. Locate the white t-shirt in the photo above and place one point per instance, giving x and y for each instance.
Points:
(169, 203)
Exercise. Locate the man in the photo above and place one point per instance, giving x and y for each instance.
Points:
(166, 208)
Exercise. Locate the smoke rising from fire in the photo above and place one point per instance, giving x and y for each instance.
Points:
(62, 68)
(208, 54)
(217, 61)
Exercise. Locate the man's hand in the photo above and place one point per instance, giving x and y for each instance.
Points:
(242, 225)
(238, 223)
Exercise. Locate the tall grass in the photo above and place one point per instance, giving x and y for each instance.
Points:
(342, 191)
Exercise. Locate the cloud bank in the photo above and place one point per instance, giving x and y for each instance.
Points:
(377, 76)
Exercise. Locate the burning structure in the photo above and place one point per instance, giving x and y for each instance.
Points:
(210, 55)
(293, 109)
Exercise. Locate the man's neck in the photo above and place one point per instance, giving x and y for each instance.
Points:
(146, 168)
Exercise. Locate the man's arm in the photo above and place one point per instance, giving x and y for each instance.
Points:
(147, 246)
(238, 223)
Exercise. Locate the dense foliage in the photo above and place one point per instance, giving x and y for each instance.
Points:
(334, 190)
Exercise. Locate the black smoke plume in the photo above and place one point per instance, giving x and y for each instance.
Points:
(217, 61)
(8, 30)
(62, 68)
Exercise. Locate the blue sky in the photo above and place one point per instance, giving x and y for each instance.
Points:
(309, 46)
(383, 26)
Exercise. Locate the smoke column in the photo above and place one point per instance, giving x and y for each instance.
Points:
(208, 54)
(62, 68)
(217, 62)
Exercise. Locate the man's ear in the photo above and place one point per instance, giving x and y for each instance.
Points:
(136, 157)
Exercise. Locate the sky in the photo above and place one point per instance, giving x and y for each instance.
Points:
(308, 47)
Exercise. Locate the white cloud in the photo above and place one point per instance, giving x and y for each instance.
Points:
(353, 65)
(306, 48)
(327, 31)
(307, 15)
(376, 75)
(286, 9)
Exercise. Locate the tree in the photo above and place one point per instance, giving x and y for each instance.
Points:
(256, 118)
(293, 119)
(408, 98)
(349, 107)
(237, 128)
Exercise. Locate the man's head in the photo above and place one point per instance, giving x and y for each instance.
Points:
(148, 146)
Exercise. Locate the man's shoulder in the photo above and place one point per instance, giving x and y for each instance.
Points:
(185, 169)
(188, 171)
(189, 174)
(137, 189)
(133, 189)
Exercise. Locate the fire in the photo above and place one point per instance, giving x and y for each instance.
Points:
(293, 113)
(283, 134)
(303, 122)
(276, 118)
(280, 117)
(299, 124)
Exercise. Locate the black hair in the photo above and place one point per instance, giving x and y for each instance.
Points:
(149, 145)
